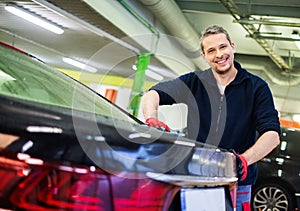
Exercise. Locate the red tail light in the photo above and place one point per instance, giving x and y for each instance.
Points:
(11, 173)
(53, 187)
(142, 194)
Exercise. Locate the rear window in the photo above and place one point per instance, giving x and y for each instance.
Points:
(24, 78)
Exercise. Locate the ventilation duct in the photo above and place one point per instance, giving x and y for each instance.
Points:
(264, 64)
(170, 15)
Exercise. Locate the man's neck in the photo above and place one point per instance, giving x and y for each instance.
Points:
(225, 79)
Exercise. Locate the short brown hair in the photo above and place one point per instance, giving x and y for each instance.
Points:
(214, 29)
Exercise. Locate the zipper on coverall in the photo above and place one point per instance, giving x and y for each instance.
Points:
(219, 111)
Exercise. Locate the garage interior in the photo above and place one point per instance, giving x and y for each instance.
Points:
(108, 36)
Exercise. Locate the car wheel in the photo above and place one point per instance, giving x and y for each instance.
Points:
(271, 197)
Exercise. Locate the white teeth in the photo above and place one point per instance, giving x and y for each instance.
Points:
(220, 62)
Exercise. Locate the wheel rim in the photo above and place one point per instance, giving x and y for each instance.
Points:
(270, 199)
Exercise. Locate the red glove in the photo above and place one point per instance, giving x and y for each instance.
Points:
(242, 166)
(154, 122)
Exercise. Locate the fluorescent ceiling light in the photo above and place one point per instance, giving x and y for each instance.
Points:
(154, 75)
(295, 35)
(80, 65)
(22, 13)
(162, 71)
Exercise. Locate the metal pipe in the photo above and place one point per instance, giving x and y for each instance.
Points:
(266, 22)
(258, 36)
(143, 21)
(233, 9)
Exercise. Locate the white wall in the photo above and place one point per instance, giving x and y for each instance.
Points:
(175, 116)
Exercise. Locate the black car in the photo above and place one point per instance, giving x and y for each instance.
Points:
(65, 147)
(278, 184)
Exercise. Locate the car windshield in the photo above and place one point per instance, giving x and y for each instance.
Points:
(33, 82)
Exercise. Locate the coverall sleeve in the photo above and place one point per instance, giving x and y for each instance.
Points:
(174, 91)
(266, 116)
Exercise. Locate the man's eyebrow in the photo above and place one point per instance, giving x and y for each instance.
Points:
(211, 48)
(225, 43)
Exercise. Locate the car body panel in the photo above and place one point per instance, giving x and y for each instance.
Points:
(282, 165)
(70, 148)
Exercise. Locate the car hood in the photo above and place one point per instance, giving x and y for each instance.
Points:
(113, 145)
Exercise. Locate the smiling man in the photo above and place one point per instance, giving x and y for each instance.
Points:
(227, 107)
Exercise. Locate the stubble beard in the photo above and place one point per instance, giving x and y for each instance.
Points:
(222, 72)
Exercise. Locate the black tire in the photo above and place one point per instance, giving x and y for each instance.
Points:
(271, 197)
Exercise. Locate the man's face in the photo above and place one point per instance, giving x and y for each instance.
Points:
(218, 52)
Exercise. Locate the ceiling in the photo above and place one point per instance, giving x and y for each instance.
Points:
(110, 35)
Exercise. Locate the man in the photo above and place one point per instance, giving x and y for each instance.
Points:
(227, 107)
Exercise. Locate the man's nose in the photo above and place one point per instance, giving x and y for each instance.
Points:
(219, 53)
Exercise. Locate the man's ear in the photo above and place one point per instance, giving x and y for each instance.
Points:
(202, 55)
(232, 45)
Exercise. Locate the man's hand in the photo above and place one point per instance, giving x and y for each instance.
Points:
(153, 122)
(242, 166)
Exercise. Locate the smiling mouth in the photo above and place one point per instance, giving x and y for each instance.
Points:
(222, 61)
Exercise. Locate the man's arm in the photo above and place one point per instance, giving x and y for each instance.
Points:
(263, 146)
(150, 103)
